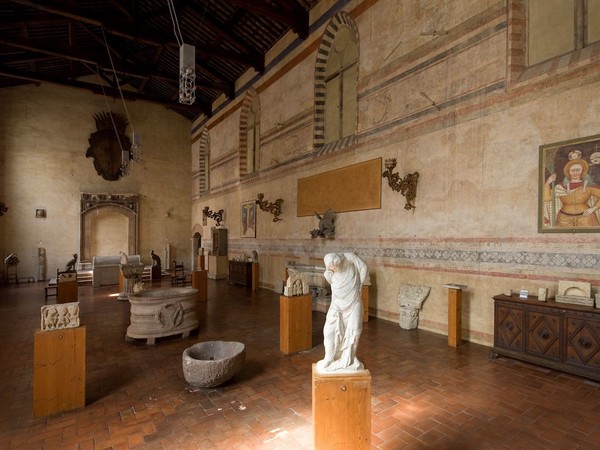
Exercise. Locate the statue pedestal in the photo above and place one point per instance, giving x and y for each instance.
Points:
(295, 323)
(341, 410)
(58, 371)
(455, 314)
(156, 273)
(200, 282)
(218, 267)
(365, 302)
(255, 276)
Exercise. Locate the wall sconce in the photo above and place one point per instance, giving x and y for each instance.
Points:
(217, 216)
(407, 186)
(273, 208)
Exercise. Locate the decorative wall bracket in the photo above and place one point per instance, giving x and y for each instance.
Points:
(273, 208)
(3, 208)
(217, 216)
(407, 186)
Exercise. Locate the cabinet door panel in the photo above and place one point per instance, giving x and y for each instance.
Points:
(509, 327)
(543, 334)
(583, 342)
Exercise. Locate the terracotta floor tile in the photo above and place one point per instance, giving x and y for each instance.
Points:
(425, 394)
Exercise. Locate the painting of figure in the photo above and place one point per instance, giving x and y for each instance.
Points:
(570, 186)
(248, 219)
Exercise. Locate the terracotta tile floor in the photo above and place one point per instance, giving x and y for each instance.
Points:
(424, 393)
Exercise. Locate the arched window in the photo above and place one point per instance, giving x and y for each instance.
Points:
(336, 80)
(558, 27)
(250, 134)
(204, 162)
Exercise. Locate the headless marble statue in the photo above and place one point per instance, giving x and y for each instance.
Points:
(346, 273)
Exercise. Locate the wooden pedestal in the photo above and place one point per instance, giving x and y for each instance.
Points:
(341, 410)
(200, 282)
(454, 317)
(66, 292)
(295, 323)
(58, 371)
(255, 276)
(218, 267)
(365, 302)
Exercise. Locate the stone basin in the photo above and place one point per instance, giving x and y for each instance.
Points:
(156, 313)
(209, 364)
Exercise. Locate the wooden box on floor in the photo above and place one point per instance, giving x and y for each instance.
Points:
(200, 282)
(295, 323)
(341, 410)
(58, 370)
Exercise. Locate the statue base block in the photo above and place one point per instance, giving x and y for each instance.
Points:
(58, 371)
(295, 323)
(341, 410)
(200, 282)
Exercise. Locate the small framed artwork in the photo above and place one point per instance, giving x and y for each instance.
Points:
(523, 293)
(569, 186)
(248, 219)
(40, 213)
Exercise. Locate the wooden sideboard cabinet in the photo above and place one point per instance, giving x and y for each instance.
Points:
(240, 272)
(560, 336)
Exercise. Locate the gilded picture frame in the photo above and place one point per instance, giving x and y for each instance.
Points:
(569, 186)
(248, 219)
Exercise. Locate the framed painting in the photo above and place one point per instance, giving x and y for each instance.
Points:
(248, 219)
(569, 186)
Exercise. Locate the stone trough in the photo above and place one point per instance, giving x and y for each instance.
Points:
(209, 364)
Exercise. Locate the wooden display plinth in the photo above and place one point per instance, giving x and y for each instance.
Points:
(295, 323)
(218, 267)
(200, 282)
(454, 314)
(365, 302)
(255, 276)
(66, 292)
(58, 370)
(341, 410)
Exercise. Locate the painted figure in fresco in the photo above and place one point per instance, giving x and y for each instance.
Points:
(107, 144)
(575, 210)
(346, 273)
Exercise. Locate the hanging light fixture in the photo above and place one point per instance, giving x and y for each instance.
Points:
(187, 74)
(187, 62)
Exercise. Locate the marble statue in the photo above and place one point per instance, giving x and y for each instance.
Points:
(346, 274)
(124, 257)
(410, 299)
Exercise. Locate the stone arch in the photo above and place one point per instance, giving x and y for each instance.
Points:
(245, 113)
(204, 162)
(339, 20)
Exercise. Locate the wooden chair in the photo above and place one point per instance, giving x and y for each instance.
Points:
(179, 277)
